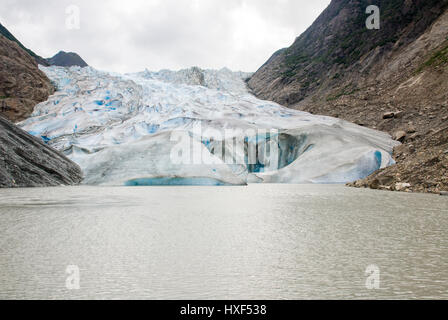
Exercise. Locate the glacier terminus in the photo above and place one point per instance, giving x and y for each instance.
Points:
(123, 129)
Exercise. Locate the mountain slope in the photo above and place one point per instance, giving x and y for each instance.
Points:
(67, 59)
(22, 84)
(8, 35)
(62, 59)
(394, 79)
(338, 51)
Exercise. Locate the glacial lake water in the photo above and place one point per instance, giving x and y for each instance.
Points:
(255, 242)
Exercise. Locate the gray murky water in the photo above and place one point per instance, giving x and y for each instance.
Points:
(256, 242)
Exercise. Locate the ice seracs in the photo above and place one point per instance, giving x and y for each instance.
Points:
(121, 130)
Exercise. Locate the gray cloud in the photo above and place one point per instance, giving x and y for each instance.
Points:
(126, 36)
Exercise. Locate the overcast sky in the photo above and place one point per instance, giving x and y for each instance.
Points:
(131, 35)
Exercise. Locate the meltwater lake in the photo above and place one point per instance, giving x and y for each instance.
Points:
(255, 242)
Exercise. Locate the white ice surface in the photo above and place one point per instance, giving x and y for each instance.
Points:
(118, 128)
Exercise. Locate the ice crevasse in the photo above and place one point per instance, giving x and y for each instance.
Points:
(119, 129)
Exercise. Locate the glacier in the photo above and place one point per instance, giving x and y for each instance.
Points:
(122, 129)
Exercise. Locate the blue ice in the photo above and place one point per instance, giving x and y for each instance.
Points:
(174, 181)
(153, 128)
(45, 139)
(65, 82)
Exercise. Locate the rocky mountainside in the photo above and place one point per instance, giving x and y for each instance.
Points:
(67, 59)
(61, 59)
(4, 32)
(27, 162)
(22, 84)
(394, 79)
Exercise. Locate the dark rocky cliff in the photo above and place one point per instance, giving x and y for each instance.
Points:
(394, 79)
(67, 59)
(27, 162)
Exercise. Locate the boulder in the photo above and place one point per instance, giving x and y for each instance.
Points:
(402, 186)
(392, 115)
(389, 115)
(398, 114)
(375, 184)
(400, 136)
